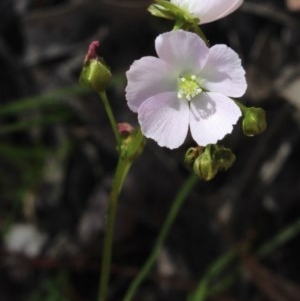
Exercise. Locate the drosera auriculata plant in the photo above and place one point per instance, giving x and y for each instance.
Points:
(189, 86)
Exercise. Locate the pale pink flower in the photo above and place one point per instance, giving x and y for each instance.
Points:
(208, 10)
(187, 86)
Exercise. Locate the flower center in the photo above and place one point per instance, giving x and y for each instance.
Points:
(188, 87)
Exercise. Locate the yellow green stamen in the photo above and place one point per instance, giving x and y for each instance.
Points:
(188, 87)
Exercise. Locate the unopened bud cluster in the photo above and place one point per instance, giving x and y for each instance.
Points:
(207, 162)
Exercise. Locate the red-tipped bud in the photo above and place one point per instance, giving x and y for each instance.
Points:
(125, 129)
(95, 74)
(92, 52)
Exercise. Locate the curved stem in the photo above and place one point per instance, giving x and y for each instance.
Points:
(281, 238)
(278, 240)
(179, 24)
(111, 118)
(122, 169)
(176, 206)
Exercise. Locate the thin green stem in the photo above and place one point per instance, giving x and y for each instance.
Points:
(173, 213)
(122, 169)
(281, 238)
(215, 269)
(179, 24)
(278, 240)
(111, 118)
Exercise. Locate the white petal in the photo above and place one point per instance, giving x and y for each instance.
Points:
(185, 51)
(208, 10)
(146, 77)
(212, 116)
(223, 72)
(165, 119)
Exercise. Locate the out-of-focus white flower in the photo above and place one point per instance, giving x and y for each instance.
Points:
(26, 239)
(187, 86)
(208, 10)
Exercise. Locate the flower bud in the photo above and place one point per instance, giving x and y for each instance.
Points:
(133, 141)
(94, 74)
(192, 154)
(254, 121)
(224, 157)
(125, 129)
(205, 166)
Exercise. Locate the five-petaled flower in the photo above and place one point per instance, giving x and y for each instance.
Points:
(208, 10)
(187, 86)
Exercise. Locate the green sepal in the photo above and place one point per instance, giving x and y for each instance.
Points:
(166, 9)
(95, 75)
(192, 154)
(224, 157)
(159, 11)
(132, 145)
(205, 166)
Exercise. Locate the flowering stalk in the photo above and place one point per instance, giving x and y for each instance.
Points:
(97, 76)
(120, 175)
(128, 153)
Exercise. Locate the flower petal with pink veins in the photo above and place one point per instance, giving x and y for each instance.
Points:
(146, 77)
(183, 50)
(165, 119)
(212, 116)
(223, 72)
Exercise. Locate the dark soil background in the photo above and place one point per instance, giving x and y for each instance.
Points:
(57, 159)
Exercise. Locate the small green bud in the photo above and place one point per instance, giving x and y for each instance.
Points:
(224, 157)
(192, 154)
(94, 74)
(254, 121)
(205, 166)
(133, 141)
(125, 129)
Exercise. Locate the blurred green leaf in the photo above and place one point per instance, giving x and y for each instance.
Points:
(40, 101)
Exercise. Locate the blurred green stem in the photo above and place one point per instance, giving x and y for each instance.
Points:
(123, 167)
(218, 266)
(206, 289)
(176, 206)
(129, 150)
(281, 238)
(111, 118)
